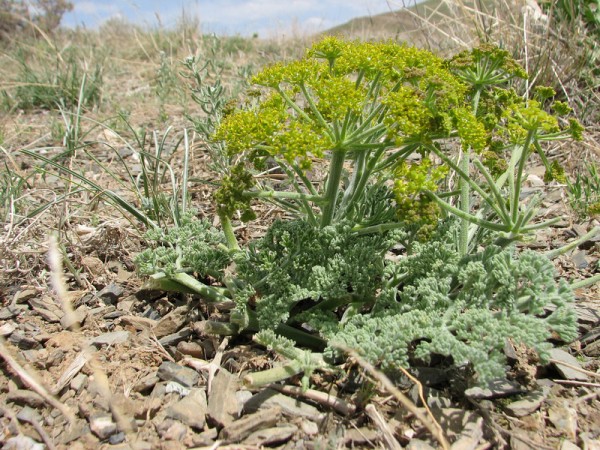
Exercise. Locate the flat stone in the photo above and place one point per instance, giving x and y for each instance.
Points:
(23, 342)
(171, 323)
(172, 386)
(47, 308)
(141, 445)
(111, 293)
(534, 181)
(48, 315)
(568, 445)
(173, 339)
(223, 407)
(75, 319)
(271, 436)
(112, 338)
(418, 444)
(74, 433)
(530, 403)
(78, 382)
(24, 296)
(290, 406)
(102, 425)
(116, 439)
(590, 441)
(206, 438)
(192, 349)
(454, 421)
(170, 371)
(7, 328)
(12, 311)
(22, 442)
(29, 415)
(580, 260)
(495, 389)
(126, 304)
(139, 323)
(241, 429)
(114, 315)
(190, 410)
(361, 436)
(564, 419)
(171, 430)
(566, 372)
(146, 383)
(309, 427)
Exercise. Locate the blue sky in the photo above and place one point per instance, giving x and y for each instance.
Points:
(232, 16)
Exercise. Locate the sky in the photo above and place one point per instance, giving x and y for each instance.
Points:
(231, 16)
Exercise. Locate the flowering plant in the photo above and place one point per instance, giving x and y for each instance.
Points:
(393, 127)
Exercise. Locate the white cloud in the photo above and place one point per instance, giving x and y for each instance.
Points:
(95, 8)
(233, 12)
(234, 16)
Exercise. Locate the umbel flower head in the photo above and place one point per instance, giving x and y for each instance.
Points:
(341, 96)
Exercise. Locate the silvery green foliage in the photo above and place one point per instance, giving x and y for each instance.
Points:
(194, 247)
(324, 268)
(464, 308)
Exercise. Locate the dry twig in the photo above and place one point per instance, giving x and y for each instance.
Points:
(322, 398)
(388, 434)
(431, 425)
(33, 384)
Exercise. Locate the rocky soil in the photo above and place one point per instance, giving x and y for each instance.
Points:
(131, 368)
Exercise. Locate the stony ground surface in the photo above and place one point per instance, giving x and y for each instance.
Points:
(132, 369)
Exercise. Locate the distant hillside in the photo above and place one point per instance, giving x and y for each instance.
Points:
(439, 24)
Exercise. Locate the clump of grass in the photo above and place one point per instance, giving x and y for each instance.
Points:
(584, 192)
(48, 78)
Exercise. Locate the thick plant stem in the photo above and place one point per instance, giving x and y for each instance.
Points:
(571, 245)
(465, 190)
(586, 282)
(465, 207)
(516, 194)
(333, 185)
(232, 242)
(284, 195)
(273, 375)
(184, 282)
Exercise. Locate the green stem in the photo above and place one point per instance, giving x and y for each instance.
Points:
(380, 228)
(284, 195)
(586, 282)
(249, 323)
(465, 206)
(314, 109)
(333, 185)
(516, 194)
(183, 282)
(215, 328)
(257, 379)
(232, 242)
(469, 217)
(359, 168)
(571, 245)
(300, 337)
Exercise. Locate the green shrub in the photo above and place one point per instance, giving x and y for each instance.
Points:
(388, 124)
